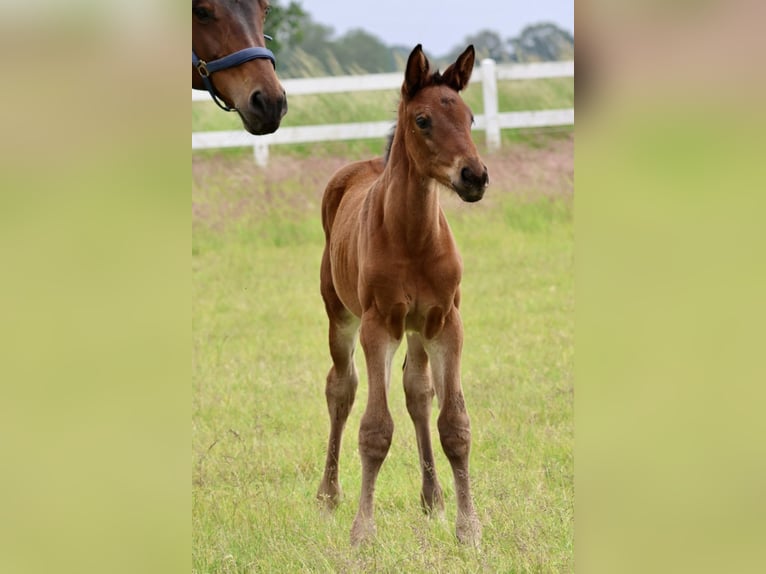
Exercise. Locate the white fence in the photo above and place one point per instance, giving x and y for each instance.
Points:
(491, 121)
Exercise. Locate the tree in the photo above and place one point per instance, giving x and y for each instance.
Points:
(318, 54)
(487, 44)
(307, 48)
(542, 42)
(304, 48)
(358, 50)
(538, 42)
(312, 55)
(285, 25)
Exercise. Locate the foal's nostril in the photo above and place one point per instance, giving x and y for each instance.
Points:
(470, 177)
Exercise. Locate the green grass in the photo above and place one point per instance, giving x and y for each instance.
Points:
(319, 109)
(259, 420)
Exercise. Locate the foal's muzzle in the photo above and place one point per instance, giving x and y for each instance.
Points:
(473, 182)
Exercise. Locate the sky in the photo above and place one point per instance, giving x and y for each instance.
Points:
(439, 25)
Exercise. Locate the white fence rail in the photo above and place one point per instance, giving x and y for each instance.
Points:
(491, 121)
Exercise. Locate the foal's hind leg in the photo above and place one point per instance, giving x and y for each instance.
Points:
(340, 390)
(420, 392)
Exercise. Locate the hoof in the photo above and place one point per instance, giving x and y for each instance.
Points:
(328, 497)
(433, 505)
(469, 530)
(362, 531)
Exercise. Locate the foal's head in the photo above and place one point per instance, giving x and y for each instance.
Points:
(436, 125)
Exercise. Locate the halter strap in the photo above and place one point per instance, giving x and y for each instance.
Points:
(205, 69)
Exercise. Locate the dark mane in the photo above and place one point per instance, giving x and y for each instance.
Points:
(389, 142)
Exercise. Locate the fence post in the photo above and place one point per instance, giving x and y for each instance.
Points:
(491, 116)
(261, 153)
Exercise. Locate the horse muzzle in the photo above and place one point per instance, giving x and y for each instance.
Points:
(263, 112)
(473, 183)
(263, 108)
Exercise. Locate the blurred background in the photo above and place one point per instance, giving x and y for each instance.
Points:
(332, 38)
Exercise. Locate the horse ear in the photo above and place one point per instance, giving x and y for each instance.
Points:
(458, 74)
(416, 73)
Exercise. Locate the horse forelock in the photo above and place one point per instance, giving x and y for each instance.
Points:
(434, 79)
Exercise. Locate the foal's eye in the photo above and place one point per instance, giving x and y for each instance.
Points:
(423, 122)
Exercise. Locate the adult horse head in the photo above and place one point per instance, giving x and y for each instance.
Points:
(231, 61)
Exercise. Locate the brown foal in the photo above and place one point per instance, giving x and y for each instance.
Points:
(391, 267)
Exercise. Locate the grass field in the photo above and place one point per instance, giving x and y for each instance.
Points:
(259, 420)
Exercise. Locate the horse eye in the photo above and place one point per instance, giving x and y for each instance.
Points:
(203, 14)
(423, 122)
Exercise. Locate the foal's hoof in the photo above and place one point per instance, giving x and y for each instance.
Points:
(327, 505)
(362, 531)
(433, 505)
(469, 530)
(328, 498)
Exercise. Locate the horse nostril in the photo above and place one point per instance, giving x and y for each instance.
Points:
(256, 100)
(474, 178)
(262, 104)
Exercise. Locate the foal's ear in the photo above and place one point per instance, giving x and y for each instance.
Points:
(417, 72)
(459, 73)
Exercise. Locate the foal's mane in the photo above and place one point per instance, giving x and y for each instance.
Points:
(389, 142)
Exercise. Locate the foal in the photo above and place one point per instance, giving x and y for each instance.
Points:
(391, 267)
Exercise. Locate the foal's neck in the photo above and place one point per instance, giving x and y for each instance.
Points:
(411, 209)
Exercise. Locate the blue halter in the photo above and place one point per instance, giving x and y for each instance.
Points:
(205, 69)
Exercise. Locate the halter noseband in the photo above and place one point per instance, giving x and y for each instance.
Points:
(205, 69)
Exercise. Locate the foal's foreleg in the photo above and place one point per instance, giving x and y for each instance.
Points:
(340, 391)
(453, 423)
(376, 427)
(420, 392)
